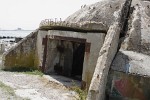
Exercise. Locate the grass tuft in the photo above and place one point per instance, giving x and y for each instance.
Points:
(26, 70)
(34, 72)
(7, 88)
(10, 92)
(82, 93)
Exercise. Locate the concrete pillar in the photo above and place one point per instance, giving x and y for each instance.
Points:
(107, 53)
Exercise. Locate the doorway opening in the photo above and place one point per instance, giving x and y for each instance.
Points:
(78, 59)
(64, 56)
(71, 58)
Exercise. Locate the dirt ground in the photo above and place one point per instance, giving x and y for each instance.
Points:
(20, 86)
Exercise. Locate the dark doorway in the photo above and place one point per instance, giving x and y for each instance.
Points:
(78, 59)
(64, 56)
(71, 59)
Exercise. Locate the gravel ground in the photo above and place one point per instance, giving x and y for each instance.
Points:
(35, 87)
(20, 86)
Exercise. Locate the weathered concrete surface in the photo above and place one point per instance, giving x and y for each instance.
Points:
(29, 52)
(109, 15)
(90, 57)
(107, 53)
(40, 35)
(138, 35)
(96, 40)
(86, 26)
(23, 55)
(132, 62)
(62, 58)
(122, 86)
(134, 56)
(105, 12)
(135, 49)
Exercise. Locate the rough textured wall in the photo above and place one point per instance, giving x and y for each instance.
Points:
(135, 49)
(96, 40)
(59, 56)
(40, 35)
(132, 58)
(138, 34)
(123, 86)
(107, 53)
(134, 55)
(23, 55)
(105, 12)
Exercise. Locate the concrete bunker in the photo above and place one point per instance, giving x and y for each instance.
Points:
(70, 50)
(101, 27)
(64, 55)
(69, 53)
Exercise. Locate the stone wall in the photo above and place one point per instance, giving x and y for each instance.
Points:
(23, 55)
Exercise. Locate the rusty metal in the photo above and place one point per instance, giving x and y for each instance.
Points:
(83, 85)
(44, 42)
(87, 47)
(79, 40)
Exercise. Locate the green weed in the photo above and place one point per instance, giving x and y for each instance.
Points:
(82, 93)
(34, 72)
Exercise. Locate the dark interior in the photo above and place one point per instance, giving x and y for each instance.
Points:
(73, 60)
(78, 59)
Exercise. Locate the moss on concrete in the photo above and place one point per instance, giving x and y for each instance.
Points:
(23, 56)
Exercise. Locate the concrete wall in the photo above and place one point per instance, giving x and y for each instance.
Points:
(59, 56)
(130, 70)
(23, 55)
(90, 59)
(123, 86)
(104, 12)
(29, 52)
(106, 55)
(40, 35)
(133, 57)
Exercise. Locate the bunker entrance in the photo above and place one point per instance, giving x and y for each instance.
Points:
(71, 58)
(66, 56)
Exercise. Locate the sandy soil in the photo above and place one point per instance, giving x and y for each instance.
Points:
(35, 87)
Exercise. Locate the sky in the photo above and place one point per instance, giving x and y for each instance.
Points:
(27, 14)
